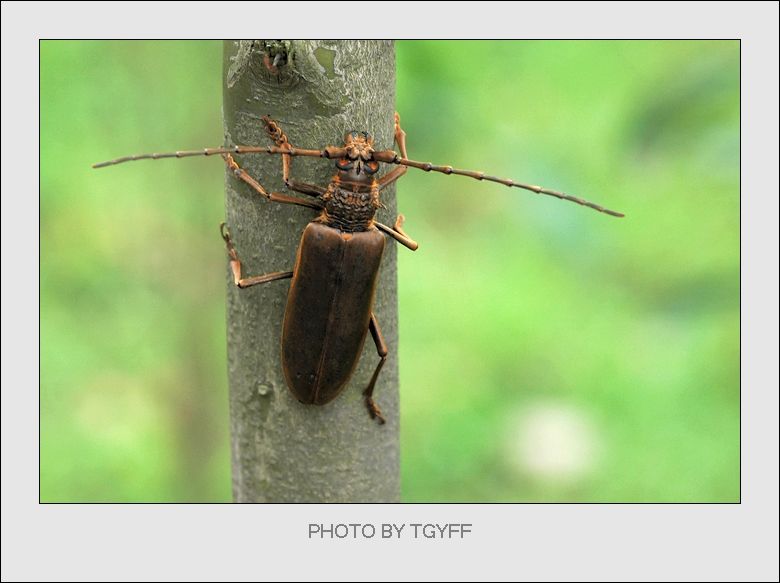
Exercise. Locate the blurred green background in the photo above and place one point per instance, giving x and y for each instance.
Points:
(548, 352)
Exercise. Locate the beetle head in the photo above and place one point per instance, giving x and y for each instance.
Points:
(358, 165)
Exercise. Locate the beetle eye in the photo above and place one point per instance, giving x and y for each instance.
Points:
(344, 163)
(371, 167)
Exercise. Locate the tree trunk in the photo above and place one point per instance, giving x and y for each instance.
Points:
(282, 450)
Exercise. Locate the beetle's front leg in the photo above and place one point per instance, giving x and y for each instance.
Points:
(396, 232)
(235, 265)
(400, 136)
(281, 140)
(395, 174)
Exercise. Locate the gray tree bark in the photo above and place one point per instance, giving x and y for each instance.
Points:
(282, 450)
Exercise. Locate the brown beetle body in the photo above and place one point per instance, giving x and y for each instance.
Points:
(329, 309)
(329, 306)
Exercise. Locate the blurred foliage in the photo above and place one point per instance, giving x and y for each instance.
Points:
(548, 352)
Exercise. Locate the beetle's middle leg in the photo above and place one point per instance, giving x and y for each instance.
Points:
(381, 349)
(242, 174)
(397, 233)
(235, 265)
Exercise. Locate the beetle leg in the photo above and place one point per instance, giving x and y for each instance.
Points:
(400, 135)
(235, 265)
(397, 233)
(305, 188)
(282, 141)
(398, 222)
(278, 136)
(381, 349)
(272, 196)
(391, 177)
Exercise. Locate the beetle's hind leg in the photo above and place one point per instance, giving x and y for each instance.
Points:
(235, 265)
(381, 349)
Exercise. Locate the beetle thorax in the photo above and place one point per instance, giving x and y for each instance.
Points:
(350, 207)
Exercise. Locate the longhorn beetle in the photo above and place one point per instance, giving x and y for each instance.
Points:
(329, 307)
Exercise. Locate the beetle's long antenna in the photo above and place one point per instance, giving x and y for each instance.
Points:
(329, 152)
(385, 156)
